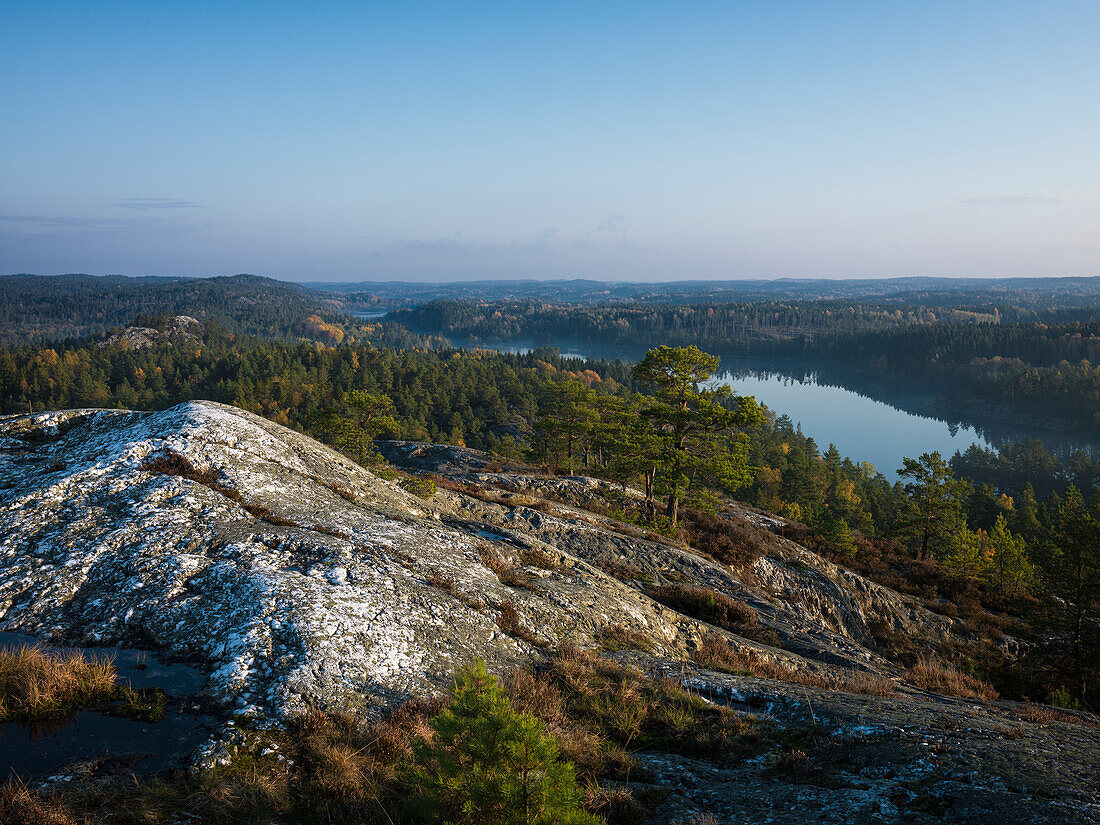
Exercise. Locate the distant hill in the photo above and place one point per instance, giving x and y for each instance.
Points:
(35, 308)
(927, 291)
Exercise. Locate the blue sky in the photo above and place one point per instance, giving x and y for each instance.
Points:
(629, 141)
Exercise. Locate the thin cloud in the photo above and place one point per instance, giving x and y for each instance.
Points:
(59, 224)
(157, 203)
(1026, 199)
(612, 224)
(68, 222)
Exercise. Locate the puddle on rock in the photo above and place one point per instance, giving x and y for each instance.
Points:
(45, 749)
(100, 742)
(136, 668)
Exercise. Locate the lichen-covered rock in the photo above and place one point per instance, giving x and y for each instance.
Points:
(289, 573)
(815, 608)
(181, 329)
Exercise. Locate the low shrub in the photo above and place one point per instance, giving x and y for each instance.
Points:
(728, 541)
(929, 674)
(709, 605)
(717, 654)
(421, 487)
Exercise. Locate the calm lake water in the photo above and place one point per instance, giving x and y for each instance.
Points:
(869, 418)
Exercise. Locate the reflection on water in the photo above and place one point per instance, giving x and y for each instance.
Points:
(144, 747)
(136, 668)
(861, 427)
(869, 417)
(916, 414)
(42, 748)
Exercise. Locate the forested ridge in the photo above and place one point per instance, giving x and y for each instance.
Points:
(35, 308)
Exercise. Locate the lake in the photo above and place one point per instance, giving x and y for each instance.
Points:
(869, 418)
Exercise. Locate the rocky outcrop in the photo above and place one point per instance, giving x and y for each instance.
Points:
(182, 329)
(289, 573)
(291, 576)
(815, 608)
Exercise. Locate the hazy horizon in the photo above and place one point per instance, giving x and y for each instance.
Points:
(549, 280)
(431, 142)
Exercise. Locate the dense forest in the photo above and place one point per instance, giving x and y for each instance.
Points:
(722, 327)
(1028, 349)
(1030, 295)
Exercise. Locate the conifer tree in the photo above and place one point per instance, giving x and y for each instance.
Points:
(936, 513)
(699, 425)
(489, 765)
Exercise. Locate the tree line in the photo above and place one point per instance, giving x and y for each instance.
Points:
(987, 355)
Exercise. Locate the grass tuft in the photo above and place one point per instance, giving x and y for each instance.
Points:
(20, 805)
(937, 677)
(620, 637)
(717, 654)
(37, 683)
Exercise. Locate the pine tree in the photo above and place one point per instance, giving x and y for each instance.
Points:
(1012, 569)
(701, 443)
(489, 765)
(936, 515)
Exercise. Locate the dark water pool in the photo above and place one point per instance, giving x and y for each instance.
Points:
(89, 737)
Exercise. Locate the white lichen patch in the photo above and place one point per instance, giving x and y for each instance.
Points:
(290, 574)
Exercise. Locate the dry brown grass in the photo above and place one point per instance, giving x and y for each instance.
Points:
(506, 572)
(20, 805)
(1045, 714)
(537, 557)
(37, 683)
(437, 578)
(613, 803)
(621, 570)
(338, 767)
(620, 637)
(937, 677)
(709, 605)
(510, 623)
(171, 463)
(602, 709)
(716, 653)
